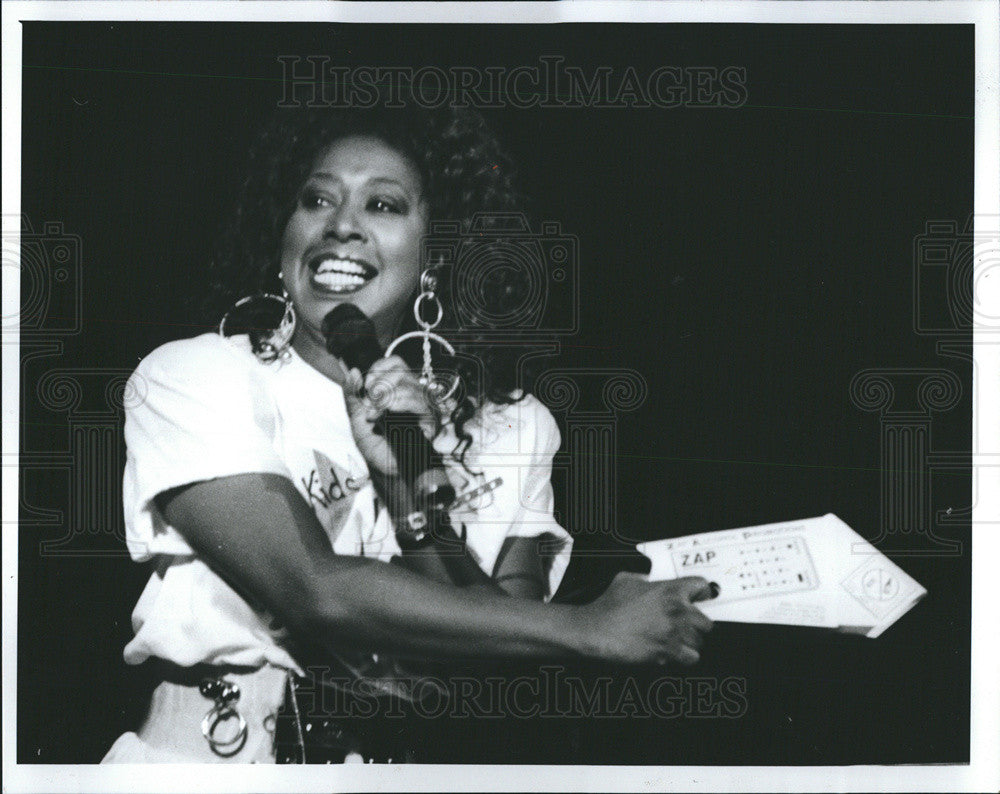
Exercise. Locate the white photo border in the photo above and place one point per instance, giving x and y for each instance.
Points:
(982, 774)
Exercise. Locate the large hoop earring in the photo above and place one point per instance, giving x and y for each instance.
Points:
(437, 390)
(267, 345)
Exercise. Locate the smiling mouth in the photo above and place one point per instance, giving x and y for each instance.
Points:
(339, 275)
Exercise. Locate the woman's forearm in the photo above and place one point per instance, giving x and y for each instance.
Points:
(384, 607)
(258, 533)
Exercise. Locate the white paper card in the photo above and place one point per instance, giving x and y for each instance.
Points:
(813, 572)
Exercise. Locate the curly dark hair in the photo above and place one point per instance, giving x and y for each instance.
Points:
(466, 177)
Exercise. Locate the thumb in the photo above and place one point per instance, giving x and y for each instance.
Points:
(697, 588)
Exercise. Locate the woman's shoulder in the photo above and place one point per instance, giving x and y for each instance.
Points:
(204, 354)
(525, 424)
(522, 405)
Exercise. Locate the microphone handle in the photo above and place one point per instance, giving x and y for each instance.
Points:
(420, 466)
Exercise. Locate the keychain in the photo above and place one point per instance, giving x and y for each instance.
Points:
(225, 694)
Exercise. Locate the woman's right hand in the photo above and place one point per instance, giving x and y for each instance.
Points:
(389, 386)
(363, 414)
(639, 622)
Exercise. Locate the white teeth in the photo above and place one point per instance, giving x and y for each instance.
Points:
(334, 280)
(341, 266)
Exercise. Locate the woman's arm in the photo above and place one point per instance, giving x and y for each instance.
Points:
(519, 568)
(259, 533)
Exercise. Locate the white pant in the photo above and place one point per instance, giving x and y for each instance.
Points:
(172, 731)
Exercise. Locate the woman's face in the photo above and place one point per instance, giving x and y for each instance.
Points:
(354, 236)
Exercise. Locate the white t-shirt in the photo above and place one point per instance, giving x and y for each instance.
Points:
(206, 408)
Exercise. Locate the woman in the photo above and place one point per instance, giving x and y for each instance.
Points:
(261, 482)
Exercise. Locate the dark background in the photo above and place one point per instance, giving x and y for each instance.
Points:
(747, 262)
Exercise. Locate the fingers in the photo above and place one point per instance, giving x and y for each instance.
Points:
(387, 365)
(686, 655)
(695, 588)
(689, 624)
(690, 629)
(665, 612)
(699, 620)
(391, 386)
(355, 381)
(685, 642)
(392, 372)
(682, 652)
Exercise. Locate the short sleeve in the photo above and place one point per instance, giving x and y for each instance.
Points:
(514, 447)
(204, 412)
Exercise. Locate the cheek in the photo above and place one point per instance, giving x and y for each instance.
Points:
(413, 245)
(409, 276)
(406, 247)
(294, 237)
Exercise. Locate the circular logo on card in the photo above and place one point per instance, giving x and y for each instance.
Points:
(880, 584)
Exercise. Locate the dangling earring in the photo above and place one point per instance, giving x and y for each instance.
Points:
(435, 388)
(282, 337)
(270, 345)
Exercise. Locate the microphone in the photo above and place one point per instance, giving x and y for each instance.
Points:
(350, 336)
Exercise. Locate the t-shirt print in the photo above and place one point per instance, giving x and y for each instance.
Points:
(331, 490)
(474, 492)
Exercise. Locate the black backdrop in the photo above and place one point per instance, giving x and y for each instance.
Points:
(747, 262)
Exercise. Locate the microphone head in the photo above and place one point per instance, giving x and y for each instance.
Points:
(350, 336)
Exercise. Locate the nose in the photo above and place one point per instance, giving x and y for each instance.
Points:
(343, 223)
